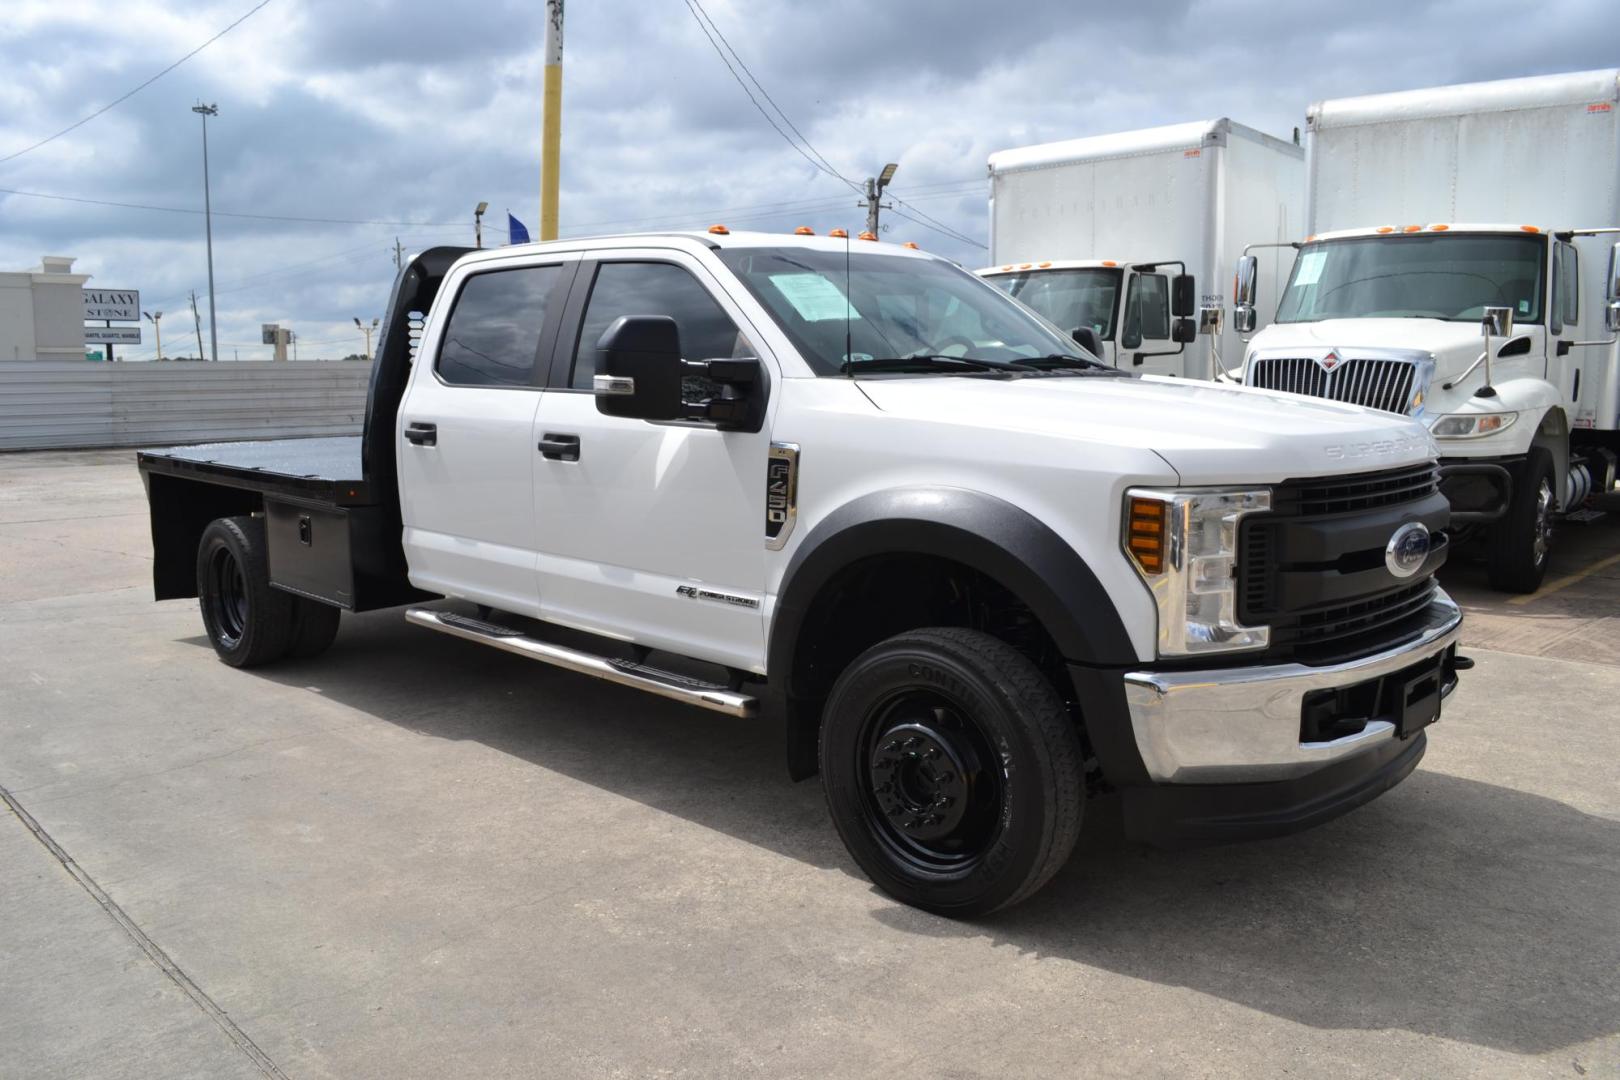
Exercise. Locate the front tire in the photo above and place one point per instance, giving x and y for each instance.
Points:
(952, 771)
(1520, 544)
(248, 622)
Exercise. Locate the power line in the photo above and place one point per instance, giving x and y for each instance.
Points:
(936, 226)
(767, 95)
(230, 214)
(125, 97)
(829, 170)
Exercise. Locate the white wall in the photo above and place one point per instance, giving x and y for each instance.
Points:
(42, 312)
(59, 405)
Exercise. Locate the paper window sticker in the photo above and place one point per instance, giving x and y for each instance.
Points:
(814, 297)
(1310, 268)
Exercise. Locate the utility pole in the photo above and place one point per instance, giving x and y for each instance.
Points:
(205, 111)
(399, 255)
(551, 121)
(874, 196)
(197, 320)
(155, 317)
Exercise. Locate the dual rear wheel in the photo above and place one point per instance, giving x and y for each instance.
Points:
(248, 621)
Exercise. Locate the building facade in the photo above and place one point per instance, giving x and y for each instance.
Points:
(42, 312)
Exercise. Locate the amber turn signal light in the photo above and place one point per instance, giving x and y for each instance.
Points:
(1145, 535)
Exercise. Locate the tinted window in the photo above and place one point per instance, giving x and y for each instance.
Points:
(1569, 283)
(1453, 276)
(494, 331)
(1147, 310)
(626, 288)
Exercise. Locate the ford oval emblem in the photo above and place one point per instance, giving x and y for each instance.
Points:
(1407, 550)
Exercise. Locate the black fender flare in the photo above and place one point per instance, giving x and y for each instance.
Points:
(1019, 551)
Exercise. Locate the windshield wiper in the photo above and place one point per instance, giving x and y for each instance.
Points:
(1068, 362)
(936, 362)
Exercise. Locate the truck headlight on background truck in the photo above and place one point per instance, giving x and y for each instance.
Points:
(1184, 544)
(1471, 425)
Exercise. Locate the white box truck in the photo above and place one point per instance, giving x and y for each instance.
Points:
(1091, 232)
(1436, 214)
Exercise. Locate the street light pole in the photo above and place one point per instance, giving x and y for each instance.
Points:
(155, 317)
(205, 111)
(366, 330)
(478, 224)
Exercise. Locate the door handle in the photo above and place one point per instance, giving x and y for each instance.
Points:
(557, 447)
(422, 434)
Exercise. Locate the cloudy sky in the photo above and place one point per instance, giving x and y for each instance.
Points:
(396, 117)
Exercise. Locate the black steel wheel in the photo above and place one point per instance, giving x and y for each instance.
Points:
(952, 770)
(248, 622)
(1520, 543)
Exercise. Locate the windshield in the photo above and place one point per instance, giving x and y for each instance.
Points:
(889, 306)
(1454, 277)
(1067, 298)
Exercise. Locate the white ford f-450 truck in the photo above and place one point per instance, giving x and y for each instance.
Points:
(1462, 269)
(986, 576)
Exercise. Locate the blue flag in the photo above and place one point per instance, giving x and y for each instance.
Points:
(515, 232)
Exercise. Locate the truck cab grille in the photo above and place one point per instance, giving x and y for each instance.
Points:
(1313, 567)
(1375, 383)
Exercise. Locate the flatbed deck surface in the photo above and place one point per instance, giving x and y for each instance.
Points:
(326, 468)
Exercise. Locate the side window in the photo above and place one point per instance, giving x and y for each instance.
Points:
(1567, 282)
(493, 335)
(1147, 310)
(630, 288)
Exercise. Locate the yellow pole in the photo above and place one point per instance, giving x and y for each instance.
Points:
(551, 136)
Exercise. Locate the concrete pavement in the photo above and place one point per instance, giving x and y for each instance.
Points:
(416, 857)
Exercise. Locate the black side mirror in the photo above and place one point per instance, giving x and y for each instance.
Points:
(1183, 296)
(1087, 339)
(1183, 331)
(638, 368)
(639, 372)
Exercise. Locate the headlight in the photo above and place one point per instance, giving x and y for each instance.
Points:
(1184, 546)
(1471, 425)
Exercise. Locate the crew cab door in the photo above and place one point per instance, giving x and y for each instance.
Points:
(1143, 341)
(466, 459)
(654, 532)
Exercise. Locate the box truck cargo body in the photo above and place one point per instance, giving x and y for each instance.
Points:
(1429, 211)
(1190, 194)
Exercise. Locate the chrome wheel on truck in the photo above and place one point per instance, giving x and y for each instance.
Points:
(952, 770)
(1520, 544)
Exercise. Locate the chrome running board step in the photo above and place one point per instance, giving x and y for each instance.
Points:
(704, 695)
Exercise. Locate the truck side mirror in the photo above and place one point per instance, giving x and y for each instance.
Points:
(1498, 322)
(638, 368)
(1183, 296)
(1245, 285)
(1087, 339)
(1183, 331)
(1211, 319)
(1611, 293)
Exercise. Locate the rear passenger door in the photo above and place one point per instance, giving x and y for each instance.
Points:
(652, 532)
(466, 462)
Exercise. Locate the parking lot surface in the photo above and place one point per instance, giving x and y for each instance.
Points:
(416, 857)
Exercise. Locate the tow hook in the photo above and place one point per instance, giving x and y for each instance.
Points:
(1462, 663)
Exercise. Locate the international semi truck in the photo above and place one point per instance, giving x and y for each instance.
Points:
(1094, 233)
(1460, 266)
(983, 577)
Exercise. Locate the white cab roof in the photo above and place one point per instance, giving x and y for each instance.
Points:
(1430, 229)
(1052, 264)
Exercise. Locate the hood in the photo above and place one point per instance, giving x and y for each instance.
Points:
(1453, 345)
(1208, 433)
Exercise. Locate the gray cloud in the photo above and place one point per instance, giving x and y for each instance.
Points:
(414, 111)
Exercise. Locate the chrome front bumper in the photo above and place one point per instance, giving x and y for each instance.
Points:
(1242, 724)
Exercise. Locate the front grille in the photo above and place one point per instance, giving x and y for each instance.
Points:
(1377, 384)
(1322, 635)
(1363, 491)
(1274, 589)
